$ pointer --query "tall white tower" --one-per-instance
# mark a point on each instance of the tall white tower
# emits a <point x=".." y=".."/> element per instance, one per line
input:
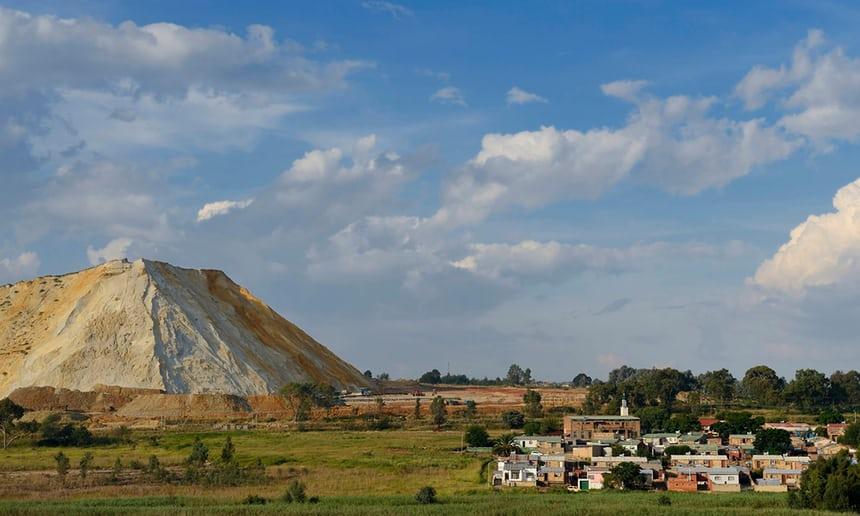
<point x="624" y="410"/>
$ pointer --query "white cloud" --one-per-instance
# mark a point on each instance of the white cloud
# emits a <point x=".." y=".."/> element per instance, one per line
<point x="519" y="96"/>
<point x="114" y="250"/>
<point x="820" y="85"/>
<point x="449" y="95"/>
<point x="217" y="208"/>
<point x="550" y="260"/>
<point x="395" y="10"/>
<point x="671" y="142"/>
<point x="23" y="266"/>
<point x="625" y="90"/>
<point x="822" y="251"/>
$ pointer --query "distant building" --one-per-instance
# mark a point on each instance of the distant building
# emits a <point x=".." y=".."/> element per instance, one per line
<point x="761" y="462"/>
<point x="704" y="461"/>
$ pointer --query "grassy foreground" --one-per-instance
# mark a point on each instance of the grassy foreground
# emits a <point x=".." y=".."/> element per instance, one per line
<point x="351" y="472"/>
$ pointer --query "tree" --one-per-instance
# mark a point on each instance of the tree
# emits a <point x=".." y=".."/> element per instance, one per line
<point x="762" y="385"/>
<point x="416" y="412"/>
<point x="471" y="409"/>
<point x="476" y="436"/>
<point x="504" y="444"/>
<point x="301" y="397"/>
<point x="683" y="423"/>
<point x="581" y="380"/>
<point x="737" y="423"/>
<point x="439" y="411"/>
<point x="809" y="389"/>
<point x="380" y="405"/>
<point x="199" y="453"/>
<point x="85" y="463"/>
<point x="652" y="418"/>
<point x="513" y="419"/>
<point x="62" y="466"/>
<point x="516" y="375"/>
<point x="718" y="385"/>
<point x="851" y="435"/>
<point x="532" y="428"/>
<point x="228" y="451"/>
<point x="830" y="415"/>
<point x="116" y="471"/>
<point x="846" y="388"/>
<point x="10" y="428"/>
<point x="432" y="377"/>
<point x="772" y="441"/>
<point x="426" y="495"/>
<point x="383" y="376"/>
<point x="368" y="374"/>
<point x="532" y="401"/>
<point x="829" y="484"/>
<point x="625" y="475"/>
<point x="676" y="449"/>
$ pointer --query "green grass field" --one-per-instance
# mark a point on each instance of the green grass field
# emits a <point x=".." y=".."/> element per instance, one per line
<point x="351" y="472"/>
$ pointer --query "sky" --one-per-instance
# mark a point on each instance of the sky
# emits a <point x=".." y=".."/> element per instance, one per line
<point x="458" y="185"/>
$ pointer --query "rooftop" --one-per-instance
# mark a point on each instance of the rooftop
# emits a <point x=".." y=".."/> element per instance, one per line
<point x="603" y="418"/>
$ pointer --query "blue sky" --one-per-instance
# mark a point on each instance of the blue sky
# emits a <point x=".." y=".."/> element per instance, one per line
<point x="566" y="186"/>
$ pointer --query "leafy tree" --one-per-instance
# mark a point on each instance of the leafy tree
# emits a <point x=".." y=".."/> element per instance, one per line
<point x="718" y="385"/>
<point x="830" y="415"/>
<point x="416" y="412"/>
<point x="851" y="436"/>
<point x="301" y="397"/>
<point x="829" y="484"/>
<point x="652" y="419"/>
<point x="809" y="389"/>
<point x="581" y="380"/>
<point x="85" y="463"/>
<point x="532" y="401"/>
<point x="383" y="376"/>
<point x="737" y="423"/>
<point x="625" y="475"/>
<point x="62" y="466"/>
<point x="228" y="451"/>
<point x="846" y="388"/>
<point x="426" y="495"/>
<point x="762" y="385"/>
<point x="477" y="436"/>
<point x="773" y="441"/>
<point x="10" y="428"/>
<point x="532" y="428"/>
<point x="439" y="411"/>
<point x="516" y="375"/>
<point x="549" y="425"/>
<point x="677" y="449"/>
<point x="368" y="374"/>
<point x="199" y="453"/>
<point x="433" y="377"/>
<point x="471" y="409"/>
<point x="513" y="419"/>
<point x="683" y="423"/>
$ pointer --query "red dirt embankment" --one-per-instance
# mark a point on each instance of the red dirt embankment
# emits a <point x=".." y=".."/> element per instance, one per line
<point x="103" y="398"/>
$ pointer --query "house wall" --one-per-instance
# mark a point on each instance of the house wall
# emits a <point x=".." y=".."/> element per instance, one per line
<point x="682" y="484"/>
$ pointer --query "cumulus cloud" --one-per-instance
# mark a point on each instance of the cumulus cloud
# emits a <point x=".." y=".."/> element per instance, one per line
<point x="114" y="250"/>
<point x="625" y="89"/>
<point x="822" y="251"/>
<point x="519" y="96"/>
<point x="218" y="208"/>
<point x="671" y="142"/>
<point x="23" y="266"/>
<point x="819" y="90"/>
<point x="449" y="95"/>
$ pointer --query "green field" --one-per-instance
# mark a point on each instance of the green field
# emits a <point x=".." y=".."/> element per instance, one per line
<point x="351" y="473"/>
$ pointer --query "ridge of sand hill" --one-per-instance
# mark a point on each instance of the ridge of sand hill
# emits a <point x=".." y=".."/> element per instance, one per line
<point x="147" y="324"/>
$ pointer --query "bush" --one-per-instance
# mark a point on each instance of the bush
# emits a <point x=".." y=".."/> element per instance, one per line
<point x="477" y="436"/>
<point x="664" y="499"/>
<point x="255" y="500"/>
<point x="426" y="495"/>
<point x="513" y="419"/>
<point x="532" y="428"/>
<point x="295" y="493"/>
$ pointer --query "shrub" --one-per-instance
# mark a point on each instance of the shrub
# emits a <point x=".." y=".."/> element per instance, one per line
<point x="295" y="493"/>
<point x="477" y="436"/>
<point x="664" y="499"/>
<point x="426" y="495"/>
<point x="62" y="466"/>
<point x="199" y="453"/>
<point x="513" y="419"/>
<point x="85" y="463"/>
<point x="531" y="428"/>
<point x="255" y="500"/>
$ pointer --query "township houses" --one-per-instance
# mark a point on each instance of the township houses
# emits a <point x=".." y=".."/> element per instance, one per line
<point x="762" y="462"/>
<point x="836" y="430"/>
<point x="705" y="461"/>
<point x="592" y="445"/>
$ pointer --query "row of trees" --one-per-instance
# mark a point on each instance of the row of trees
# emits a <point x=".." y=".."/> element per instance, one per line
<point x="516" y="376"/>
<point x="760" y="386"/>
